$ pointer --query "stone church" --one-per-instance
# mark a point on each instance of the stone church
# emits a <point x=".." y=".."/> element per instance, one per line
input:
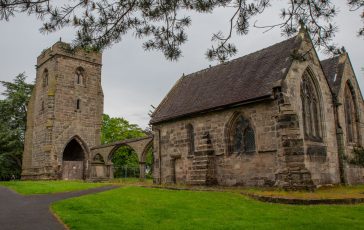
<point x="276" y="117"/>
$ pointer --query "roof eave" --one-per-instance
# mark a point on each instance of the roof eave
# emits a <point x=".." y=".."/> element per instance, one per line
<point x="218" y="108"/>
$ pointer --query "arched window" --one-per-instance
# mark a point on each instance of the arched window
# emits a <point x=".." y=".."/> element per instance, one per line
<point x="350" y="114"/>
<point x="243" y="138"/>
<point x="310" y="109"/>
<point x="80" y="76"/>
<point x="45" y="78"/>
<point x="190" y="139"/>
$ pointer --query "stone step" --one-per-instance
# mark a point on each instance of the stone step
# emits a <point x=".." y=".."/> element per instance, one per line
<point x="194" y="167"/>
<point x="202" y="159"/>
<point x="198" y="170"/>
<point x="196" y="182"/>
<point x="200" y="162"/>
<point x="198" y="177"/>
<point x="295" y="164"/>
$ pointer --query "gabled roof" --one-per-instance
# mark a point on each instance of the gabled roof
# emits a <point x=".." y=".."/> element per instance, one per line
<point x="244" y="79"/>
<point x="333" y="70"/>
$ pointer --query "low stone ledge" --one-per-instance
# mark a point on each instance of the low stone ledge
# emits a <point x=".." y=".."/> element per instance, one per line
<point x="270" y="199"/>
<point x="297" y="201"/>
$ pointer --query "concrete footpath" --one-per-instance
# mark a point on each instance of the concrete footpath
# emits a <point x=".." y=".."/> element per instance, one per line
<point x="32" y="212"/>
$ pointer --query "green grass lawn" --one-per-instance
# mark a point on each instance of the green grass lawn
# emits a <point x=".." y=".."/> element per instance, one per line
<point x="46" y="187"/>
<point x="145" y="208"/>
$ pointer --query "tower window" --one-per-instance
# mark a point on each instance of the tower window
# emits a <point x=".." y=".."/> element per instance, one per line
<point x="78" y="104"/>
<point x="45" y="78"/>
<point x="80" y="76"/>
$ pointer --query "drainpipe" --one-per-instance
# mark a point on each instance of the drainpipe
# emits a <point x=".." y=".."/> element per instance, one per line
<point x="340" y="141"/>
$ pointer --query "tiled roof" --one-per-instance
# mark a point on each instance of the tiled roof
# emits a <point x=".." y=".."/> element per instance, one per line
<point x="333" y="71"/>
<point x="241" y="80"/>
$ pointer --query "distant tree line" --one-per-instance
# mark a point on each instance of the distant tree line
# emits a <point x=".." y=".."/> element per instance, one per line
<point x="13" y="119"/>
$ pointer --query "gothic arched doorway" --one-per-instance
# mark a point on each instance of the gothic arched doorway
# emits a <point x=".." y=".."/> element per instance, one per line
<point x="73" y="161"/>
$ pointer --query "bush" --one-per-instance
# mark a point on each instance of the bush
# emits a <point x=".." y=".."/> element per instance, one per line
<point x="358" y="156"/>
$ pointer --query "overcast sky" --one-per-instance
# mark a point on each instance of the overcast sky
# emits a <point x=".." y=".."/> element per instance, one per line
<point x="133" y="79"/>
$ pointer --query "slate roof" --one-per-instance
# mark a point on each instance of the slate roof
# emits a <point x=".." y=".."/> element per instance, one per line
<point x="333" y="71"/>
<point x="242" y="80"/>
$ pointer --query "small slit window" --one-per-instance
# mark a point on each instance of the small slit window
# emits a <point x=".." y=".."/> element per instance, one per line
<point x="45" y="78"/>
<point x="78" y="104"/>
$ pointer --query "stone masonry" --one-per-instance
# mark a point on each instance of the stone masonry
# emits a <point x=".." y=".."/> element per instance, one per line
<point x="64" y="114"/>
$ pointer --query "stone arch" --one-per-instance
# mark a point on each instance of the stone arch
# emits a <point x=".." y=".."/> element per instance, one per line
<point x="74" y="158"/>
<point x="230" y="132"/>
<point x="143" y="160"/>
<point x="114" y="149"/>
<point x="139" y="145"/>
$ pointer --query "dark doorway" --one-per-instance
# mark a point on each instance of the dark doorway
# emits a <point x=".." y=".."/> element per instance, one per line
<point x="73" y="161"/>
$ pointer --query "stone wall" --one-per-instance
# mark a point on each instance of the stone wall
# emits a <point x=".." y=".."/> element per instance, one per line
<point x="258" y="168"/>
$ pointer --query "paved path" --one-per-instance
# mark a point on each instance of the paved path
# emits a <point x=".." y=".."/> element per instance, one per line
<point x="32" y="212"/>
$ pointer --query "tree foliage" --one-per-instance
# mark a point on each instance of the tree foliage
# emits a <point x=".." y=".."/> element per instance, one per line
<point x="12" y="125"/>
<point x="357" y="156"/>
<point x="125" y="158"/>
<point x="100" y="23"/>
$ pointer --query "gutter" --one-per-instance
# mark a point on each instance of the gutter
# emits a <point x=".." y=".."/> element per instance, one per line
<point x="268" y="97"/>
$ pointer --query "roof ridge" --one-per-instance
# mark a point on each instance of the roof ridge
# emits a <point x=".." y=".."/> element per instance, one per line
<point x="239" y="58"/>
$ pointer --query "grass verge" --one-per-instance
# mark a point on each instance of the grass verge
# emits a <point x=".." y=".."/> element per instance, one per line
<point x="47" y="187"/>
<point x="145" y="208"/>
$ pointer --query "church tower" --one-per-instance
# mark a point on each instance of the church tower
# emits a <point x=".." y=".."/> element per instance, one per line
<point x="64" y="114"/>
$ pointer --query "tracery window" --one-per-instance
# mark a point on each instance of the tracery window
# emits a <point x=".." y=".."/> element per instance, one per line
<point x="243" y="140"/>
<point x="350" y="114"/>
<point x="80" y="76"/>
<point x="190" y="139"/>
<point x="310" y="109"/>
